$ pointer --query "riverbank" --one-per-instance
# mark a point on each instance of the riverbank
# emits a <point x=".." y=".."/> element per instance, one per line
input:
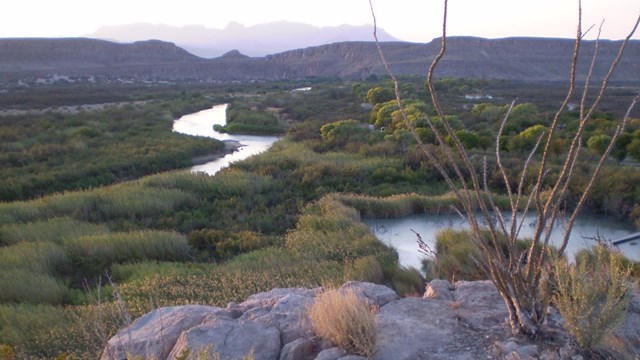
<point x="230" y="146"/>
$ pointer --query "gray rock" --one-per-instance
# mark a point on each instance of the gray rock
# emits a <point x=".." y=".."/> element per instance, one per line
<point x="439" y="289"/>
<point x="300" y="349"/>
<point x="480" y="305"/>
<point x="353" y="357"/>
<point x="286" y="312"/>
<point x="401" y="322"/>
<point x="230" y="339"/>
<point x="378" y="295"/>
<point x="269" y="299"/>
<point x="331" y="354"/>
<point x="462" y="321"/>
<point x="528" y="350"/>
<point x="627" y="334"/>
<point x="154" y="334"/>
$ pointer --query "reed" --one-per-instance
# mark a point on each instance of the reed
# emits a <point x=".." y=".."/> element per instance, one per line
<point x="55" y="230"/>
<point x="96" y="252"/>
<point x="20" y="286"/>
<point x="44" y="258"/>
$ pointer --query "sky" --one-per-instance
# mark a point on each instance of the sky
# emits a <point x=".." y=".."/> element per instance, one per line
<point x="409" y="20"/>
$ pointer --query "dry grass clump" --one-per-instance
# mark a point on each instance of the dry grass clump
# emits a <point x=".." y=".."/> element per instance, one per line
<point x="341" y="317"/>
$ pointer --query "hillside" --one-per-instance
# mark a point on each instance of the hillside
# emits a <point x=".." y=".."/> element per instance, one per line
<point x="519" y="59"/>
<point x="256" y="40"/>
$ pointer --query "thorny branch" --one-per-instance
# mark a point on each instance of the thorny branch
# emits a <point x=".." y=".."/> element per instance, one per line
<point x="517" y="275"/>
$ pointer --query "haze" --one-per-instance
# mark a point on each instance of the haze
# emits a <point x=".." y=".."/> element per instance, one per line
<point x="410" y="20"/>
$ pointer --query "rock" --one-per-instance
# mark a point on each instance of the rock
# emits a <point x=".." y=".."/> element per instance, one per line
<point x="400" y="323"/>
<point x="230" y="339"/>
<point x="331" y="354"/>
<point x="439" y="289"/>
<point x="285" y="311"/>
<point x="512" y="350"/>
<point x="480" y="306"/>
<point x="504" y="348"/>
<point x="269" y="299"/>
<point x="154" y="334"/>
<point x="528" y="350"/>
<point x="378" y="295"/>
<point x="463" y="321"/>
<point x="300" y="349"/>
<point x="353" y="357"/>
<point x="627" y="334"/>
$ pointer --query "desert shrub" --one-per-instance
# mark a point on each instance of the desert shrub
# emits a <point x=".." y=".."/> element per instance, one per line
<point x="40" y="331"/>
<point x="329" y="230"/>
<point x="40" y="257"/>
<point x="19" y="211"/>
<point x="230" y="182"/>
<point x="53" y="229"/>
<point x="240" y="242"/>
<point x="96" y="252"/>
<point x="342" y="318"/>
<point x="224" y="245"/>
<point x="407" y="281"/>
<point x="592" y="294"/>
<point x="456" y="254"/>
<point x="401" y="205"/>
<point x="172" y="284"/>
<point x="25" y="286"/>
<point x="367" y="268"/>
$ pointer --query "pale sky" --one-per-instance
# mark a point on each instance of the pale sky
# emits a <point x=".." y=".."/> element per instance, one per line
<point x="410" y="20"/>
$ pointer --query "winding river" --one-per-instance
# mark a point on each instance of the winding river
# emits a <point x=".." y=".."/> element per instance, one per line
<point x="395" y="232"/>
<point x="201" y="124"/>
<point x="398" y="233"/>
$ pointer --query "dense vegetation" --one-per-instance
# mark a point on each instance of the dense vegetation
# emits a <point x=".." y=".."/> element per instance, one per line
<point x="289" y="217"/>
<point x="44" y="152"/>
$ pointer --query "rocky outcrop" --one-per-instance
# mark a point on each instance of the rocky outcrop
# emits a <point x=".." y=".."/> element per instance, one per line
<point x="465" y="320"/>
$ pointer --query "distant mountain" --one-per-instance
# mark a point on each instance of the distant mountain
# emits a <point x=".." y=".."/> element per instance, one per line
<point x="257" y="40"/>
<point x="28" y="61"/>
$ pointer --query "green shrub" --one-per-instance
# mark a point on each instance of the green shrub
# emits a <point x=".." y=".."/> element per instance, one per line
<point x="592" y="294"/>
<point x="53" y="229"/>
<point x="407" y="281"/>
<point x="38" y="331"/>
<point x="40" y="257"/>
<point x="340" y="317"/>
<point x="25" y="286"/>
<point x="455" y="255"/>
<point x="224" y="245"/>
<point x="367" y="268"/>
<point x="99" y="251"/>
<point x="151" y="285"/>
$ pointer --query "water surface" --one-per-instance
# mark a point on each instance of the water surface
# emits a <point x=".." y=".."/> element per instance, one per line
<point x="201" y="124"/>
<point x="397" y="233"/>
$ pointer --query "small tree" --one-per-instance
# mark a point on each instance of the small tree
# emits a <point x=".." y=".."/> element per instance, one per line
<point x="519" y="274"/>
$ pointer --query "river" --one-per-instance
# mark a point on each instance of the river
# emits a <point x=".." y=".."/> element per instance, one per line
<point x="397" y="233"/>
<point x="201" y="124"/>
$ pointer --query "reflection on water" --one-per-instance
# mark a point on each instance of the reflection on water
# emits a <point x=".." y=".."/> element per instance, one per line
<point x="398" y="233"/>
<point x="201" y="124"/>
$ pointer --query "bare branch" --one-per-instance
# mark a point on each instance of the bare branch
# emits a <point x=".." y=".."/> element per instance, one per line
<point x="595" y="173"/>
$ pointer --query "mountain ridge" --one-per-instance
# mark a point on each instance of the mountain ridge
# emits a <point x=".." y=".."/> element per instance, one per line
<point x="520" y="59"/>
<point x="256" y="40"/>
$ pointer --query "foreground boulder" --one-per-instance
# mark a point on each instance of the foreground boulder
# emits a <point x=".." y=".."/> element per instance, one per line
<point x="465" y="320"/>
